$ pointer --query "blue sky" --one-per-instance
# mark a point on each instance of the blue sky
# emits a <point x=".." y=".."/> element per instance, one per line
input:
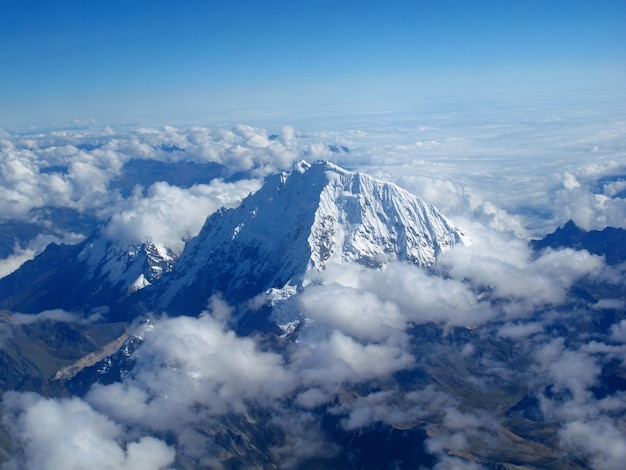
<point x="123" y="61"/>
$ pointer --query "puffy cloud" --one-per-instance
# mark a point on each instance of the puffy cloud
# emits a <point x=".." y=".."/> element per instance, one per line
<point x="341" y="359"/>
<point x="71" y="434"/>
<point x="590" y="207"/>
<point x="393" y="297"/>
<point x="185" y="362"/>
<point x="505" y="267"/>
<point x="14" y="261"/>
<point x="74" y="168"/>
<point x="33" y="247"/>
<point x="570" y="182"/>
<point x="355" y="312"/>
<point x="448" y="196"/>
<point x="599" y="440"/>
<point x="36" y="174"/>
<point x="575" y="370"/>
<point x="169" y="215"/>
<point x="618" y="332"/>
<point x="423" y="298"/>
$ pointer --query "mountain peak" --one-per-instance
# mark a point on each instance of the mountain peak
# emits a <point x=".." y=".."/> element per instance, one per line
<point x="298" y="222"/>
<point x="303" y="220"/>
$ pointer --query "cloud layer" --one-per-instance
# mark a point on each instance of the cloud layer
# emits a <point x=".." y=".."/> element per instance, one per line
<point x="492" y="335"/>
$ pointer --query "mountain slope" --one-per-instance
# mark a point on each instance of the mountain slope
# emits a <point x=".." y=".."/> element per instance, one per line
<point x="301" y="221"/>
<point x="96" y="272"/>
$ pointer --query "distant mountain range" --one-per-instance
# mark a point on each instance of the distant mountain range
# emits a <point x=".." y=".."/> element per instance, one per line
<point x="609" y="242"/>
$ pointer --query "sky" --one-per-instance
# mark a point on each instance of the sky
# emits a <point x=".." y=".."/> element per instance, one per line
<point x="131" y="62"/>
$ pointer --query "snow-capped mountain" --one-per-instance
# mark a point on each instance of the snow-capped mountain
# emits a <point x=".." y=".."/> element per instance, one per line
<point x="131" y="266"/>
<point x="97" y="272"/>
<point x="301" y="221"/>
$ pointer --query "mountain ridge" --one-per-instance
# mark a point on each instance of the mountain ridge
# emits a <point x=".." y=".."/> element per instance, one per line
<point x="94" y="273"/>
<point x="300" y="221"/>
<point x="609" y="242"/>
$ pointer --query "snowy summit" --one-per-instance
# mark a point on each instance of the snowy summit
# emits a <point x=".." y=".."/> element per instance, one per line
<point x="303" y="220"/>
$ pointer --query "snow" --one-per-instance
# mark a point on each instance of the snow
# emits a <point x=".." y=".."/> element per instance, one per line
<point x="302" y="220"/>
<point x="139" y="283"/>
<point x="135" y="266"/>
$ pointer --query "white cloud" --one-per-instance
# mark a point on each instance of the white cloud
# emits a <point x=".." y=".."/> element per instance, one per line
<point x="341" y="359"/>
<point x="505" y="267"/>
<point x="69" y="433"/>
<point x="572" y="369"/>
<point x="169" y="215"/>
<point x="355" y="312"/>
<point x="14" y="261"/>
<point x="600" y="440"/>
<point x="185" y="362"/>
<point x="88" y="161"/>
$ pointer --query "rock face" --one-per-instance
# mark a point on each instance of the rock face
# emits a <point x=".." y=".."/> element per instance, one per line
<point x="301" y="221"/>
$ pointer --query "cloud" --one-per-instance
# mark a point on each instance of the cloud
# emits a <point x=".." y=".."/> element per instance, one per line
<point x="355" y="312"/>
<point x="185" y="363"/>
<point x="618" y="332"/>
<point x="448" y="196"/>
<point x="78" y="179"/>
<point x="169" y="215"/>
<point x="303" y="440"/>
<point x="15" y="260"/>
<point x="423" y="298"/>
<point x="505" y="268"/>
<point x="241" y="148"/>
<point x="74" y="168"/>
<point x="600" y="440"/>
<point x="68" y="433"/>
<point x="616" y="304"/>
<point x="341" y="359"/>
<point x="520" y="330"/>
<point x="592" y="208"/>
<point x="393" y="297"/>
<point x="52" y="315"/>
<point x="572" y="369"/>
